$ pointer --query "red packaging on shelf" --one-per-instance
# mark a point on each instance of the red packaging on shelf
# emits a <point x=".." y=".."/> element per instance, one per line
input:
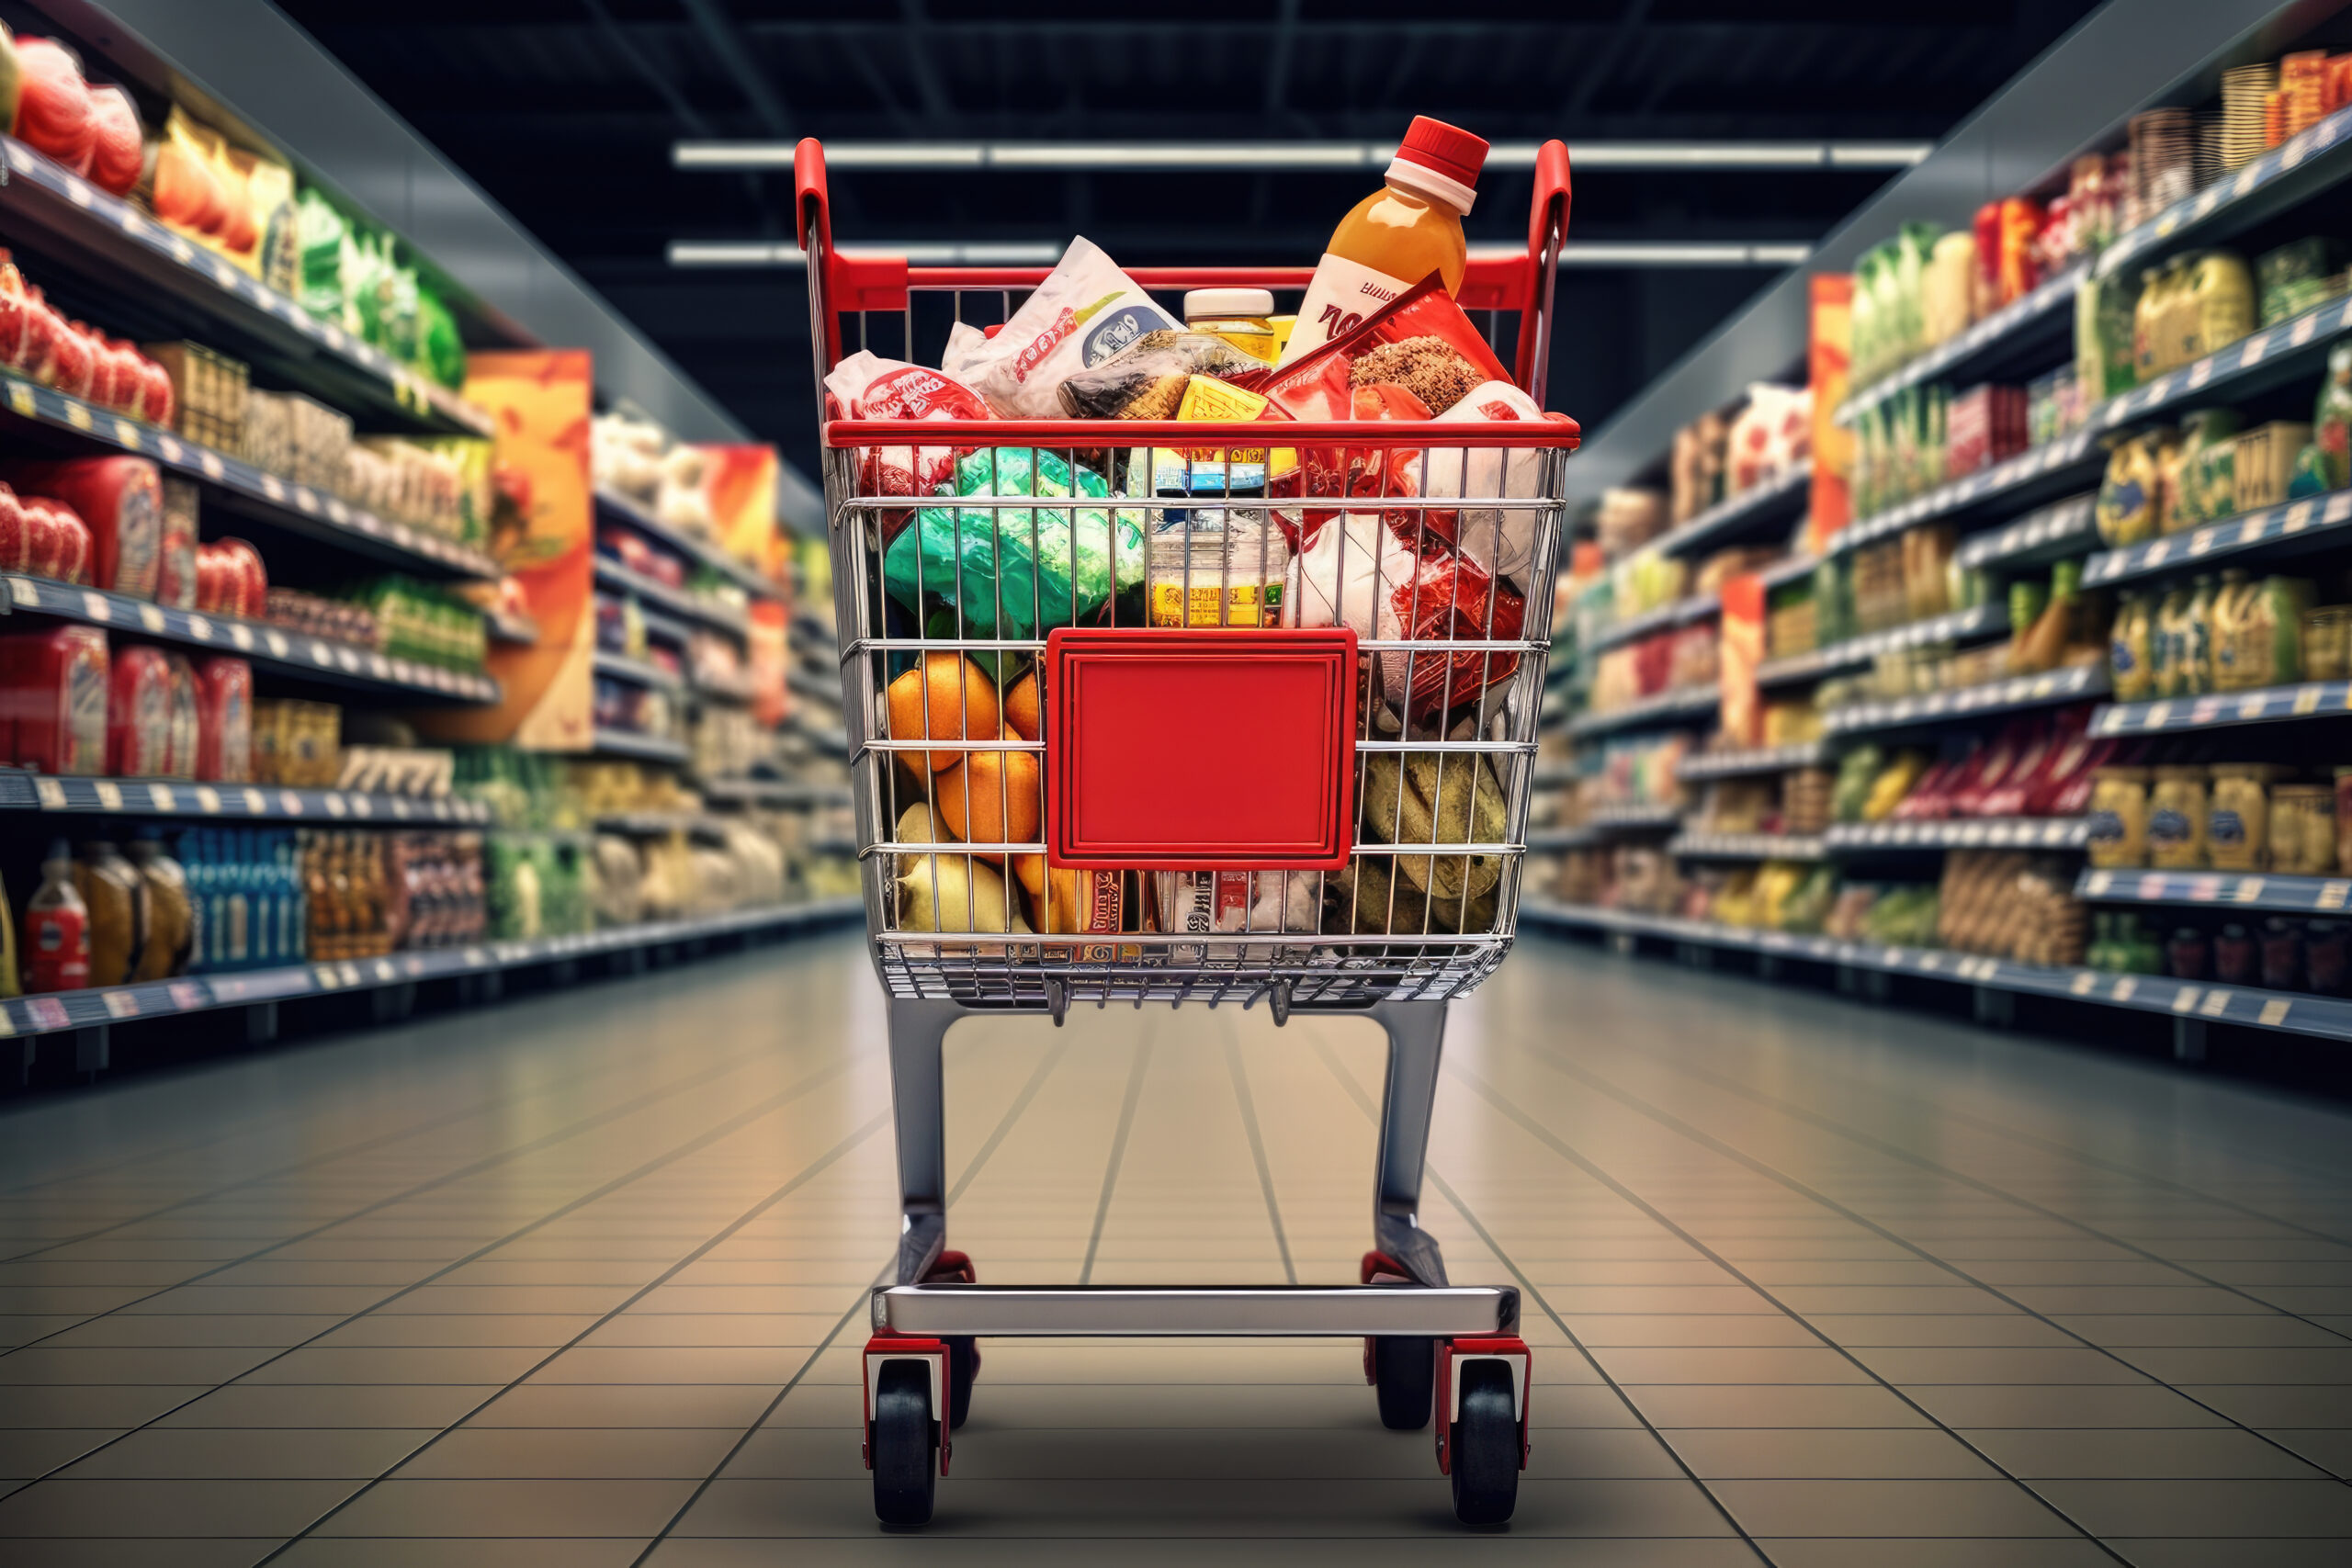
<point x="117" y="149"/>
<point x="139" y="713"/>
<point x="60" y="541"/>
<point x="224" y="747"/>
<point x="16" y="534"/>
<point x="175" y="555"/>
<point x="54" y="113"/>
<point x="184" y="736"/>
<point x="121" y="501"/>
<point x="53" y="699"/>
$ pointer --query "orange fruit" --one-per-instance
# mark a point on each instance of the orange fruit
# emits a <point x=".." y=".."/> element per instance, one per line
<point x="974" y="798"/>
<point x="1021" y="706"/>
<point x="1033" y="873"/>
<point x="947" y="699"/>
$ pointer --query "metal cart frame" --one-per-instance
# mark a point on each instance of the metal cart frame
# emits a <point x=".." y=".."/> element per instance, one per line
<point x="1430" y="1346"/>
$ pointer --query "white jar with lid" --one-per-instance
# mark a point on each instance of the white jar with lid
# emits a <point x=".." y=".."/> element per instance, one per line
<point x="1239" y="316"/>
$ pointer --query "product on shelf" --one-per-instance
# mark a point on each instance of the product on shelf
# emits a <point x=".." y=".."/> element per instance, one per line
<point x="42" y="537"/>
<point x="209" y="393"/>
<point x="53" y="695"/>
<point x="291" y="435"/>
<point x="56" y="951"/>
<point x="120" y="502"/>
<point x="297" y="744"/>
<point x="231" y="578"/>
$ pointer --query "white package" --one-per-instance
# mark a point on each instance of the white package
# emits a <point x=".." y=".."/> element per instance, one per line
<point x="1085" y="311"/>
<point x="1500" y="539"/>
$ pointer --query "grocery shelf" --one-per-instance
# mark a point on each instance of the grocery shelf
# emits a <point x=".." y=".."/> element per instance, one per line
<point x="1787" y="569"/>
<point x="817" y="688"/>
<point x="657" y="625"/>
<point x="1665" y="617"/>
<point x="676" y="602"/>
<point x="1777" y="500"/>
<point x="1635" y="817"/>
<point x="1745" y="846"/>
<point x="299" y="508"/>
<point x="773" y="791"/>
<point x="636" y="671"/>
<point x="1556" y="774"/>
<point x="2066" y="464"/>
<point x="1544" y="840"/>
<point x="293" y="655"/>
<point x="1993" y="697"/>
<point x="2313" y="522"/>
<point x="2050" y="533"/>
<point x="2267" y="704"/>
<point x="2219" y="889"/>
<point x="1662" y="711"/>
<point x="1960" y="833"/>
<point x="614" y="507"/>
<point x="2009" y="336"/>
<point x="2264" y="186"/>
<point x="2292" y="349"/>
<point x="520" y="630"/>
<point x="806" y="629"/>
<point x="97" y="1008"/>
<point x="2291" y="1012"/>
<point x="1752" y="759"/>
<point x="658" y="824"/>
<point x="739" y="690"/>
<point x="642" y="747"/>
<point x="111" y="244"/>
<point x="834" y="739"/>
<point x="23" y="791"/>
<point x="1974" y="623"/>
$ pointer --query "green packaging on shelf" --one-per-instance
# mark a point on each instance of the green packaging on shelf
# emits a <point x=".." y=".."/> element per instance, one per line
<point x="2296" y="277"/>
<point x="2332" y="418"/>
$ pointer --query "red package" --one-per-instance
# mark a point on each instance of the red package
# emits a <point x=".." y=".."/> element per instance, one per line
<point x="175" y="552"/>
<point x="156" y="404"/>
<point x="224" y="745"/>
<point x="183" y="735"/>
<point x="73" y="357"/>
<point x="16" y="534"/>
<point x="54" y="113"/>
<point x="1413" y="358"/>
<point x="60" y="541"/>
<point x="122" y="502"/>
<point x="1450" y="597"/>
<point x="53" y="699"/>
<point x="117" y="149"/>
<point x="2061" y="742"/>
<point x="15" y="306"/>
<point x="139" y="713"/>
<point x="41" y="327"/>
<point x="866" y="385"/>
<point x="230" y="580"/>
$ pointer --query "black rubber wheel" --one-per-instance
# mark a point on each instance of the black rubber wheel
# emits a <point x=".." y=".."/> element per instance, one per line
<point x="905" y="1437"/>
<point x="1484" y="1459"/>
<point x="963" y="1366"/>
<point x="1404" y="1371"/>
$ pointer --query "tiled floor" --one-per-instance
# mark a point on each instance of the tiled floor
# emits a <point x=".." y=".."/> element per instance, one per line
<point x="581" y="1282"/>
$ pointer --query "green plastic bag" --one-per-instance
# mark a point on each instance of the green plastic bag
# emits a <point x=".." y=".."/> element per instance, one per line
<point x="1012" y="571"/>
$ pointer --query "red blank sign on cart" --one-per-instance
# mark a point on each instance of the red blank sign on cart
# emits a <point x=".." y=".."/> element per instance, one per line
<point x="1200" y="748"/>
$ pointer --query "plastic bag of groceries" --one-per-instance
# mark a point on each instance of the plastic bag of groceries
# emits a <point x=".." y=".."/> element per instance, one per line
<point x="870" y="387"/>
<point x="1500" y="539"/>
<point x="1357" y="573"/>
<point x="1086" y="311"/>
<point x="1012" y="572"/>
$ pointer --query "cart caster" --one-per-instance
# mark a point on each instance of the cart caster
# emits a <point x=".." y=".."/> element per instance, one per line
<point x="905" y="1440"/>
<point x="963" y="1367"/>
<point x="1403" y="1372"/>
<point x="1486" y="1447"/>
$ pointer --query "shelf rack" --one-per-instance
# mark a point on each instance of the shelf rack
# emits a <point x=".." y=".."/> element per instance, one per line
<point x="1752" y="759"/>
<point x="198" y="801"/>
<point x="1747" y="846"/>
<point x="611" y="506"/>
<point x="2269" y="892"/>
<point x="1664" y="711"/>
<point x="674" y="602"/>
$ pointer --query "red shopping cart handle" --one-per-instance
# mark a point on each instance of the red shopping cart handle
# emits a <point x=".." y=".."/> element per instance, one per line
<point x="1554" y="430"/>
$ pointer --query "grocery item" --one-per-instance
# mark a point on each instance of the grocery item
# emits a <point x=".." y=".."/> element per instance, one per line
<point x="170" y="938"/>
<point x="1149" y="379"/>
<point x="139" y="713"/>
<point x="995" y="797"/>
<point x="954" y="893"/>
<point x="1211" y="567"/>
<point x="1406" y="231"/>
<point x="205" y="393"/>
<point x="56" y="952"/>
<point x="1242" y="317"/>
<point x="297" y="744"/>
<point x="231" y="578"/>
<point x="2118" y="818"/>
<point x="870" y="387"/>
<point x="2127" y="496"/>
<point x="2332" y="418"/>
<point x="1085" y="311"/>
<point x="121" y="501"/>
<point x="225" y="742"/>
<point x="116" y="897"/>
<point x="2302" y="829"/>
<point x="1502" y="539"/>
<point x="982" y="564"/>
<point x="54" y="113"/>
<point x="53" y="695"/>
<point x="1435" y="798"/>
<point x="2237" y="816"/>
<point x="2177" y="815"/>
<point x="949" y="698"/>
<point x="2131" y="649"/>
<point x="1420" y="341"/>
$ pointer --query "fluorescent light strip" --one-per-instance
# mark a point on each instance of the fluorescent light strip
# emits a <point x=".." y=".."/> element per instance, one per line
<point x="928" y="253"/>
<point x="1308" y="155"/>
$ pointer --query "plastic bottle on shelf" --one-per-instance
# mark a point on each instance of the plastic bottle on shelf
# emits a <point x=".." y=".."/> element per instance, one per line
<point x="57" y="928"/>
<point x="1399" y="234"/>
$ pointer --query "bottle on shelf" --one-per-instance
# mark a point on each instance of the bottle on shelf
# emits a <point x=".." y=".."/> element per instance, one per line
<point x="57" y="928"/>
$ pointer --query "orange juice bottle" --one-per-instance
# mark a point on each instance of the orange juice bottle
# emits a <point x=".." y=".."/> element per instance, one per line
<point x="1399" y="234"/>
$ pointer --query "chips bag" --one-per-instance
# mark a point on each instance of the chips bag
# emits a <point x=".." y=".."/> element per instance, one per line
<point x="868" y="386"/>
<point x="1085" y="312"/>
<point x="1012" y="572"/>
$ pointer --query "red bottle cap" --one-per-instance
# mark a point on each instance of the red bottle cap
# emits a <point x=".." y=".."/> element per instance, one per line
<point x="1448" y="149"/>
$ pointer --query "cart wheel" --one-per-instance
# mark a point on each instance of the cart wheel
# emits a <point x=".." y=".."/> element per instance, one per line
<point x="905" y="1440"/>
<point x="963" y="1367"/>
<point x="1404" y="1370"/>
<point x="1484" y="1461"/>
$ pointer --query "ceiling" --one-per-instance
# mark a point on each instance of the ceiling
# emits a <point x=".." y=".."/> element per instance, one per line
<point x="564" y="111"/>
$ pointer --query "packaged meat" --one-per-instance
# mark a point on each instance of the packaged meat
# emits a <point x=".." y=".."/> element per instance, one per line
<point x="175" y="546"/>
<point x="1150" y="379"/>
<point x="53" y="699"/>
<point x="185" y="723"/>
<point x="15" y="532"/>
<point x="61" y="540"/>
<point x="1086" y="311"/>
<point x="139" y="713"/>
<point x="121" y="501"/>
<point x="229" y="579"/>
<point x="73" y="357"/>
<point x="117" y="147"/>
<point x="224" y="747"/>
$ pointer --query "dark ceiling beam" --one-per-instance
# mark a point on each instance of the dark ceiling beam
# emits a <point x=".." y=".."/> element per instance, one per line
<point x="679" y="105"/>
<point x="1278" y="58"/>
<point x="719" y="33"/>
<point x="936" y="102"/>
<point x="1605" y="64"/>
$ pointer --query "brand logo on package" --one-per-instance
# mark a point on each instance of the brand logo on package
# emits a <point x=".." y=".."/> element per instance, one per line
<point x="1117" y="331"/>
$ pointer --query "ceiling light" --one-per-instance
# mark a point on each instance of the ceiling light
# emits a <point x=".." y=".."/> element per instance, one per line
<point x="1302" y="156"/>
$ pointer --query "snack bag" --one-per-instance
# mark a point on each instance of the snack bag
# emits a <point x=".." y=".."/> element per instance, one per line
<point x="1148" y="380"/>
<point x="1087" y="311"/>
<point x="1012" y="572"/>
<point x="1500" y="539"/>
<point x="870" y="387"/>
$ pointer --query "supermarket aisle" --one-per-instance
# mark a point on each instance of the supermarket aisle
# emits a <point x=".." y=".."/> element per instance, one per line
<point x="579" y="1283"/>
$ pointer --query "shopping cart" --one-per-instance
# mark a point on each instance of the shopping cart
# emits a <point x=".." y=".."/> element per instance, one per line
<point x="1080" y="775"/>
